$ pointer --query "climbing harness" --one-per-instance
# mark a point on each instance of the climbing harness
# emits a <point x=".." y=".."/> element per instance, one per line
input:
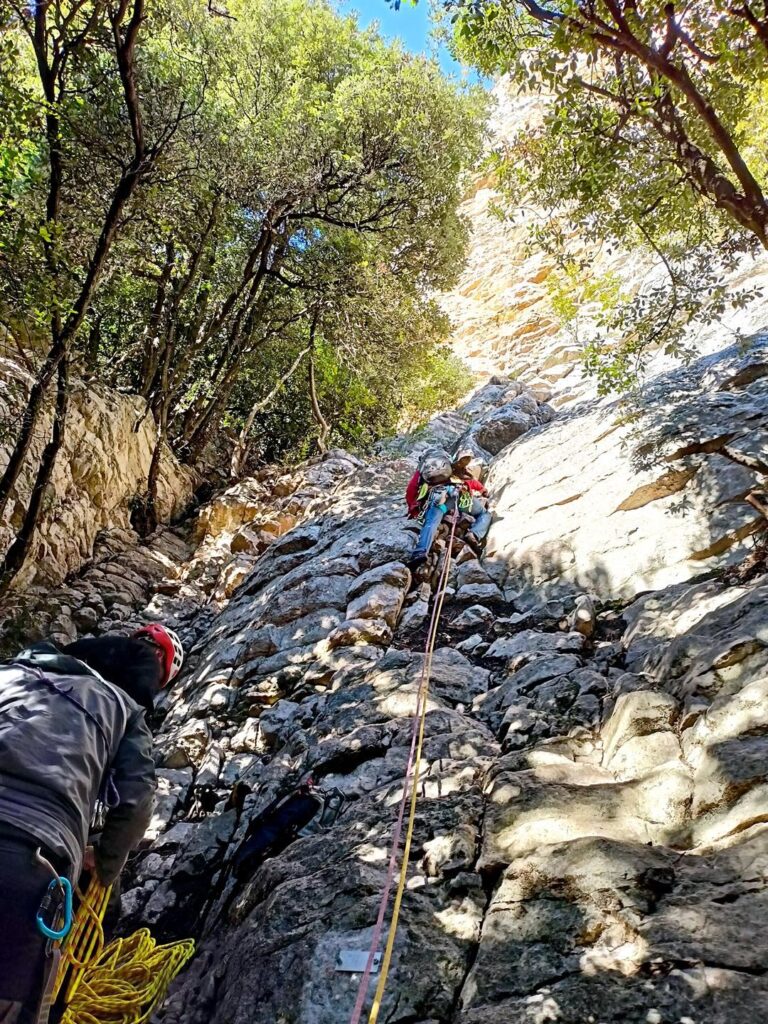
<point x="54" y="921"/>
<point x="441" y="496"/>
<point x="411" y="772"/>
<point x="122" y="983"/>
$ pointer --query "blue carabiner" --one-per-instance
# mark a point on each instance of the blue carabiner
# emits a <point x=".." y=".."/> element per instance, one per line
<point x="65" y="885"/>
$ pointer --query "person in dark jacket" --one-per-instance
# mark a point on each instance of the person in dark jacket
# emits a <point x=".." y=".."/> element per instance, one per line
<point x="70" y="735"/>
<point x="140" y="665"/>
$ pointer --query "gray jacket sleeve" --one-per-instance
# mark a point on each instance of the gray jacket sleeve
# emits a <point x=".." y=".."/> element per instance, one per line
<point x="133" y="773"/>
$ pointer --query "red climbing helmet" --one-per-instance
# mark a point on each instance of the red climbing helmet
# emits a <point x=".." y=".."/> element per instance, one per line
<point x="168" y="644"/>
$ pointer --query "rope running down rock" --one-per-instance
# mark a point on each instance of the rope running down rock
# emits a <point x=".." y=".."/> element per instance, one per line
<point x="414" y="759"/>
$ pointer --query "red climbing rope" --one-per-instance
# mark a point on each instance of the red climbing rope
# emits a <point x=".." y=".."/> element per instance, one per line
<point x="414" y="756"/>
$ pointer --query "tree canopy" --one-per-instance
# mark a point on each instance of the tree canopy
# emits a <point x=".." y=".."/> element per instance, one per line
<point x="230" y="212"/>
<point x="653" y="138"/>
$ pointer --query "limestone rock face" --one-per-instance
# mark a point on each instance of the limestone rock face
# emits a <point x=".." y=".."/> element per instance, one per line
<point x="102" y="466"/>
<point x="504" y="320"/>
<point x="590" y="836"/>
<point x="590" y="840"/>
<point x="619" y="507"/>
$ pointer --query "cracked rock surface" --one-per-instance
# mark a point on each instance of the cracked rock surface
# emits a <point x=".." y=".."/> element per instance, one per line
<point x="591" y="839"/>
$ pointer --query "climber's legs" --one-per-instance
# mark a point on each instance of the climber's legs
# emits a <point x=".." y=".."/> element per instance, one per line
<point x="432" y="519"/>
<point x="481" y="525"/>
<point x="24" y="966"/>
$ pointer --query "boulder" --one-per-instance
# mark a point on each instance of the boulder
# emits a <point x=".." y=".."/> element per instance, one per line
<point x="487" y="593"/>
<point x="531" y="642"/>
<point x="473" y="644"/>
<point x="393" y="574"/>
<point x="381" y="601"/>
<point x="503" y="427"/>
<point x="477" y="616"/>
<point x="414" y="616"/>
<point x="360" y="631"/>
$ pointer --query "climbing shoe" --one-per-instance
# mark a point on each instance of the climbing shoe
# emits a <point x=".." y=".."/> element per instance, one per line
<point x="416" y="561"/>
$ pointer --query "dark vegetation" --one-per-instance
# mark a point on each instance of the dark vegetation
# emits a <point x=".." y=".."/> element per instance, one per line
<point x="239" y="215"/>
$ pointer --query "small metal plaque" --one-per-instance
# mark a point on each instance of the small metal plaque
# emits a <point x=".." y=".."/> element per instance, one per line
<point x="353" y="961"/>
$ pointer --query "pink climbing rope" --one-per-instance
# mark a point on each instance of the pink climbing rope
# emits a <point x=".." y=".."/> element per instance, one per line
<point x="421" y="698"/>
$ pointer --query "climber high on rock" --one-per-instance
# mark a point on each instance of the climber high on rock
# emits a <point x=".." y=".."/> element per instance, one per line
<point x="73" y="738"/>
<point x="441" y="485"/>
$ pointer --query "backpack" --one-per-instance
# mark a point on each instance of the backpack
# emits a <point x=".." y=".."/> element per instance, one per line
<point x="435" y="466"/>
<point x="271" y="831"/>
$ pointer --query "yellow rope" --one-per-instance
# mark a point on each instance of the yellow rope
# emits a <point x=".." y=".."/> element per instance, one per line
<point x="122" y="983"/>
<point x="128" y="981"/>
<point x="430" y="650"/>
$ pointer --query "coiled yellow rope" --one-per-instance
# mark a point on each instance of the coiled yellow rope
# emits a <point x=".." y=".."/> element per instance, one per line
<point x="122" y="983"/>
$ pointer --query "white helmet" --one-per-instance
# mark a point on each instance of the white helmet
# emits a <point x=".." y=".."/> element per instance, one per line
<point x="435" y="466"/>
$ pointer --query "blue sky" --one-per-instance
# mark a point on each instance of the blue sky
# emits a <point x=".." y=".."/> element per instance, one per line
<point x="410" y="24"/>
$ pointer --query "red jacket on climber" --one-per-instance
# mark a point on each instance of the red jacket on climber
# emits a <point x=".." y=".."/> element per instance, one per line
<point x="439" y="484"/>
<point x="414" y="486"/>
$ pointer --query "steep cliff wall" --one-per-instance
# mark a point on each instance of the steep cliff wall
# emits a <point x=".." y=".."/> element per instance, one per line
<point x="502" y="309"/>
<point x="590" y="842"/>
<point x="102" y="466"/>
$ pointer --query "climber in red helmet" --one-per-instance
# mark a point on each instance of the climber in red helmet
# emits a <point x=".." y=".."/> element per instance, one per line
<point x="142" y="664"/>
<point x="73" y="737"/>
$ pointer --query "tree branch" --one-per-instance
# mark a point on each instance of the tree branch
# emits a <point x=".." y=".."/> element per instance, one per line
<point x="241" y="448"/>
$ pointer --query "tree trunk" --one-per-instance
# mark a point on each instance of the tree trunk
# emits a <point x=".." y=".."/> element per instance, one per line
<point x="254" y="270"/>
<point x="161" y="408"/>
<point x="94" y="343"/>
<point x="18" y="551"/>
<point x="323" y="427"/>
<point x="747" y="206"/>
<point x="194" y="435"/>
<point x="706" y="176"/>
<point x="240" y="453"/>
<point x="29" y="422"/>
<point x="151" y="354"/>
<point x="151" y="518"/>
<point x="63" y="335"/>
<point x="721" y="137"/>
<point x="62" y="339"/>
<point x="199" y="433"/>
